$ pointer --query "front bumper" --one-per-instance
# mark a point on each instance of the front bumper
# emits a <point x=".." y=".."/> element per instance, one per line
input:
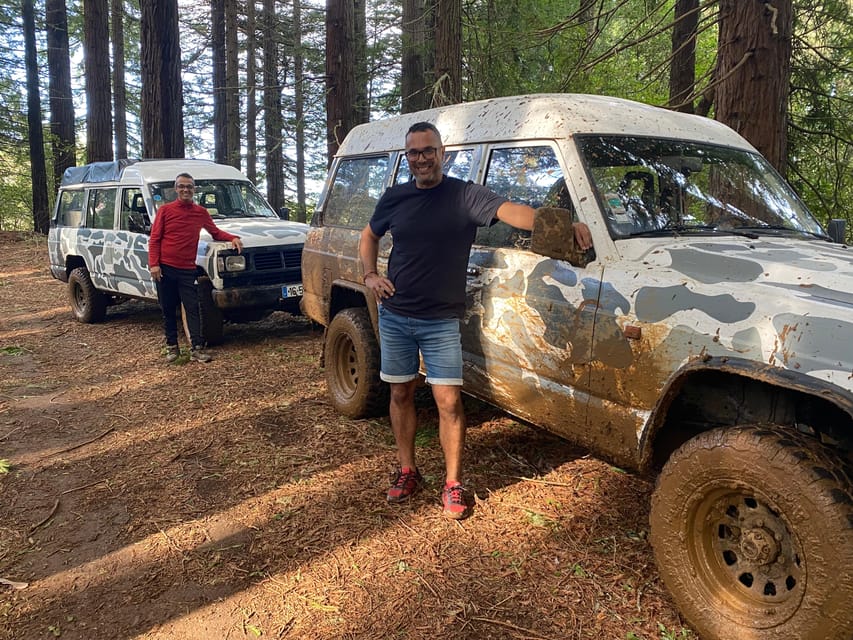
<point x="257" y="297"/>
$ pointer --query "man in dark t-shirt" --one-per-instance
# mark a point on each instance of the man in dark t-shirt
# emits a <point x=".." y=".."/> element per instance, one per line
<point x="433" y="221"/>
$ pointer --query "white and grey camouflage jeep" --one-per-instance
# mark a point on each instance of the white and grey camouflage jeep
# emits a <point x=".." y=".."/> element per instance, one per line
<point x="98" y="241"/>
<point x="707" y="342"/>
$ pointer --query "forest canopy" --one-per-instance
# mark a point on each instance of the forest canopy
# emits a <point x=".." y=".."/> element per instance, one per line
<point x="272" y="86"/>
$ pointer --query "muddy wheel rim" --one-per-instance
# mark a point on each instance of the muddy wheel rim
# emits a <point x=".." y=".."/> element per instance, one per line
<point x="346" y="365"/>
<point x="748" y="557"/>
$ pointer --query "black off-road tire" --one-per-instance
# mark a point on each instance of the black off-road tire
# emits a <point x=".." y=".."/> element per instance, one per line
<point x="752" y="529"/>
<point x="351" y="354"/>
<point x="88" y="304"/>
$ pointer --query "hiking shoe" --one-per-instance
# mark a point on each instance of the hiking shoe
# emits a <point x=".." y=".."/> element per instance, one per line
<point x="404" y="484"/>
<point x="172" y="352"/>
<point x="455" y="502"/>
<point x="198" y="355"/>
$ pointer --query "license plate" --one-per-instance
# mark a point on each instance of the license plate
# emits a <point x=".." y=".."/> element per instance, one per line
<point x="291" y="291"/>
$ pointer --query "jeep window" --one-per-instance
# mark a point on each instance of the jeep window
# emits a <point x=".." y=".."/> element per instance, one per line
<point x="69" y="211"/>
<point x="134" y="215"/>
<point x="221" y="198"/>
<point x="101" y="208"/>
<point x="458" y="163"/>
<point x="648" y="186"/>
<point x="531" y="175"/>
<point x="357" y="187"/>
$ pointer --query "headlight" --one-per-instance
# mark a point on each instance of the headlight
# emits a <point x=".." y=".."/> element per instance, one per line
<point x="231" y="263"/>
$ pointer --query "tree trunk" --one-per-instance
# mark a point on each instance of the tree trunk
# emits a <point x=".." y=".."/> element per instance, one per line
<point x="274" y="157"/>
<point x="414" y="45"/>
<point x="38" y="172"/>
<point x="299" y="111"/>
<point x="340" y="72"/>
<point x="162" y="93"/>
<point x="119" y="90"/>
<point x="220" y="110"/>
<point x="96" y="55"/>
<point x="754" y="68"/>
<point x="361" y="106"/>
<point x="251" y="94"/>
<point x="447" y="88"/>
<point x="232" y="84"/>
<point x="59" y="89"/>
<point x="682" y="73"/>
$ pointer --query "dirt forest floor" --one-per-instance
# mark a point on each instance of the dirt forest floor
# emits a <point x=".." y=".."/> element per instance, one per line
<point x="228" y="500"/>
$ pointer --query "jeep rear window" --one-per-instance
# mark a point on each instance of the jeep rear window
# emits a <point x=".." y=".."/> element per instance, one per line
<point x="648" y="185"/>
<point x="69" y="210"/>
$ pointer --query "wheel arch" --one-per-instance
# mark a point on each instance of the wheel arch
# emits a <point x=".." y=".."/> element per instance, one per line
<point x="345" y="294"/>
<point x="74" y="262"/>
<point x="744" y="393"/>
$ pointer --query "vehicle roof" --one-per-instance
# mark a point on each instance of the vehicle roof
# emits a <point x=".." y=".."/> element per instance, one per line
<point x="540" y="116"/>
<point x="139" y="171"/>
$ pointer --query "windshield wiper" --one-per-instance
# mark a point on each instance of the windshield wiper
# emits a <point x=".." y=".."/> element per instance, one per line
<point x="780" y="227"/>
<point x="700" y="228"/>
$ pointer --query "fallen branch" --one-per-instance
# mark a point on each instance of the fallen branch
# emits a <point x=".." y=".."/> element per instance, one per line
<point x="509" y="625"/>
<point x="82" y="444"/>
<point x="48" y="517"/>
<point x="10" y="433"/>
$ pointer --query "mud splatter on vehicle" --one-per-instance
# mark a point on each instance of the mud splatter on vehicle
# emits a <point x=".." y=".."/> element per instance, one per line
<point x="707" y="340"/>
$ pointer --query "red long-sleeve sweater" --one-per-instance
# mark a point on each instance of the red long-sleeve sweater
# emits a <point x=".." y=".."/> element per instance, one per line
<point x="174" y="235"/>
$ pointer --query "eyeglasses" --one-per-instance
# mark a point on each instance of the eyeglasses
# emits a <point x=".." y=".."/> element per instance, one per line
<point x="413" y="154"/>
<point x="185" y="186"/>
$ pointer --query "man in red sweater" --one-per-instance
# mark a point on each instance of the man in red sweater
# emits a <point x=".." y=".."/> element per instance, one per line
<point x="172" y="249"/>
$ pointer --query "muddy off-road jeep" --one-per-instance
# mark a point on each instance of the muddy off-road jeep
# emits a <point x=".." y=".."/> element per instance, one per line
<point x="707" y="342"/>
<point x="98" y="241"/>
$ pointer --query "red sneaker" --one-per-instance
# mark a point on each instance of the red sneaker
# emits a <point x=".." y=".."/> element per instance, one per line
<point x="455" y="502"/>
<point x="404" y="484"/>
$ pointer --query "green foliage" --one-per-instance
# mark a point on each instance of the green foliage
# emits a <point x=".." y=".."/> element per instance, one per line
<point x="609" y="47"/>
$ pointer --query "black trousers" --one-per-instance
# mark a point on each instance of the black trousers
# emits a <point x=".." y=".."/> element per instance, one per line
<point x="179" y="286"/>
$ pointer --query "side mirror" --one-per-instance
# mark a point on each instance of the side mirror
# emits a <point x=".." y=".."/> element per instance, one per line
<point x="837" y="230"/>
<point x="553" y="236"/>
<point x="284" y="213"/>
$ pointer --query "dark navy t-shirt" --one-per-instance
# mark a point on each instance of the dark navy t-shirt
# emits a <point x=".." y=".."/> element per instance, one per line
<point x="433" y="230"/>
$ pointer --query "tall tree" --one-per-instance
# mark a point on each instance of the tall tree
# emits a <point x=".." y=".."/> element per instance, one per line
<point x="119" y="88"/>
<point x="251" y="93"/>
<point x="299" y="110"/>
<point x="682" y="74"/>
<point x="273" y="126"/>
<point x="754" y="69"/>
<point x="413" y="83"/>
<point x="162" y="92"/>
<point x="447" y="88"/>
<point x="361" y="105"/>
<point x="59" y="89"/>
<point x="340" y="72"/>
<point x="232" y="85"/>
<point x="38" y="172"/>
<point x="96" y="55"/>
<point x="220" y="105"/>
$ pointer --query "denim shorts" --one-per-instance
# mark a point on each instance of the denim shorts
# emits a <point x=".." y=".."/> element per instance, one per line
<point x="403" y="339"/>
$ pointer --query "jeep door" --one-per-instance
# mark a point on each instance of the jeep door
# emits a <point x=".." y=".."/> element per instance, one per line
<point x="97" y="237"/>
<point x="131" y="246"/>
<point x="528" y="329"/>
<point x="331" y="254"/>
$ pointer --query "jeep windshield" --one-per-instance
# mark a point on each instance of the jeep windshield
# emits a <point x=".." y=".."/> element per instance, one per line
<point x="657" y="187"/>
<point x="222" y="198"/>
